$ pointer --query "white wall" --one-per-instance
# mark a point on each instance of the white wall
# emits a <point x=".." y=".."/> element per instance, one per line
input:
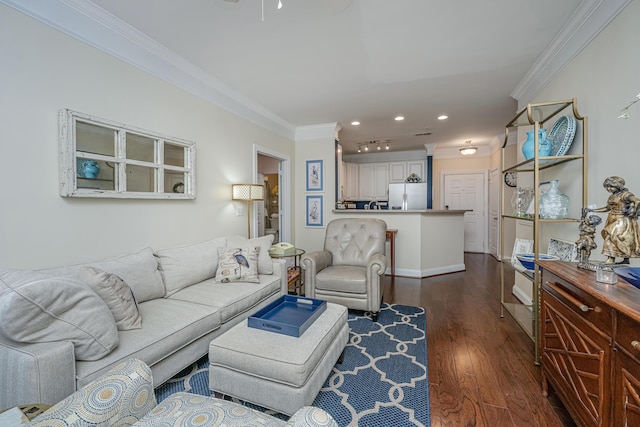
<point x="604" y="77"/>
<point x="43" y="71"/>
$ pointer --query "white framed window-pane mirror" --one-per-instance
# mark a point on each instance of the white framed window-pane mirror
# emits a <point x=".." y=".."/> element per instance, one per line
<point x="101" y="158"/>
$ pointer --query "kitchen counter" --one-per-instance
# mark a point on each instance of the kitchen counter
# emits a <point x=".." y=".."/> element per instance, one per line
<point x="428" y="242"/>
<point x="400" y="211"/>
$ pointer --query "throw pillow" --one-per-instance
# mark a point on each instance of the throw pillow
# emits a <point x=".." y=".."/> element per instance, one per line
<point x="265" y="263"/>
<point x="238" y="265"/>
<point x="116" y="294"/>
<point x="185" y="265"/>
<point x="38" y="308"/>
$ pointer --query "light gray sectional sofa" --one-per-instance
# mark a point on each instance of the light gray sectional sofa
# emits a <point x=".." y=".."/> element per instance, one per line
<point x="62" y="328"/>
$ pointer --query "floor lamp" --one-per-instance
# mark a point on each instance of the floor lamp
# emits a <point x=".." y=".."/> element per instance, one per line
<point x="248" y="193"/>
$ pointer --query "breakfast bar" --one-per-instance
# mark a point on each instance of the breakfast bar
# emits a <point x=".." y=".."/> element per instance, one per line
<point x="427" y="242"/>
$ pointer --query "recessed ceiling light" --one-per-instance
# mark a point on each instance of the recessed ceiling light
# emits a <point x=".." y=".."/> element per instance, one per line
<point x="355" y="123"/>
<point x="399" y="118"/>
<point x="443" y="117"/>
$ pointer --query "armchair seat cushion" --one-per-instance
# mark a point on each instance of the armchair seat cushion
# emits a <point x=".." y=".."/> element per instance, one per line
<point x="343" y="278"/>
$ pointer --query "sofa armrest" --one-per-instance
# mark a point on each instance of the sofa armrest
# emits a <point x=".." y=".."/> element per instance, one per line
<point x="121" y="397"/>
<point x="313" y="263"/>
<point x="280" y="270"/>
<point x="36" y="373"/>
<point x="311" y="416"/>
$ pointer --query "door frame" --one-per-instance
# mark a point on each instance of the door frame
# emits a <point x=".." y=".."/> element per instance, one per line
<point x="485" y="199"/>
<point x="284" y="185"/>
<point x="498" y="199"/>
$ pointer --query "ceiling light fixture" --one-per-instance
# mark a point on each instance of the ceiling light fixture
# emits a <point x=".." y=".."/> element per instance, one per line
<point x="355" y="123"/>
<point x="468" y="149"/>
<point x="279" y="4"/>
<point x="399" y="118"/>
<point x="364" y="146"/>
<point x="443" y="117"/>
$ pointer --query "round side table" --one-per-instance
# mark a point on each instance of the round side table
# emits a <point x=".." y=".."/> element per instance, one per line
<point x="295" y="278"/>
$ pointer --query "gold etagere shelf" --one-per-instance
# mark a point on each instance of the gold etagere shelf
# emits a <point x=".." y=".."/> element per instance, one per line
<point x="535" y="116"/>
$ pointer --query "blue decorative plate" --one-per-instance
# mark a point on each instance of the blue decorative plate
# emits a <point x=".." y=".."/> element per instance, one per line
<point x="561" y="135"/>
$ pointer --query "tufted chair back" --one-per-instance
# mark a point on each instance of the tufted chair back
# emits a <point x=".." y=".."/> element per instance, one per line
<point x="353" y="241"/>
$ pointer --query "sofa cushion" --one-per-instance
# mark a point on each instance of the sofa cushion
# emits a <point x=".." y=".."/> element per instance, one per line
<point x="231" y="299"/>
<point x="185" y="265"/>
<point x="35" y="308"/>
<point x="116" y="294"/>
<point x="238" y="265"/>
<point x="175" y="325"/>
<point x="265" y="264"/>
<point x="343" y="278"/>
<point x="139" y="270"/>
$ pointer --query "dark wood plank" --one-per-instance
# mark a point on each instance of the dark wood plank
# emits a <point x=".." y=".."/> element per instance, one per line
<point x="480" y="366"/>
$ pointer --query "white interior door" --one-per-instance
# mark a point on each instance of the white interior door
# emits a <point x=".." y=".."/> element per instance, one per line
<point x="494" y="213"/>
<point x="467" y="191"/>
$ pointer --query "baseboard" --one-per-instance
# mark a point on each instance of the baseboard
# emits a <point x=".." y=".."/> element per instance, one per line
<point x="418" y="274"/>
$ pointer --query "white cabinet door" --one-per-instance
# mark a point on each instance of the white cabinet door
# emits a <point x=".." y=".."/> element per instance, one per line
<point x="381" y="181"/>
<point x="366" y="187"/>
<point x="397" y="171"/>
<point x="416" y="167"/>
<point x="351" y="184"/>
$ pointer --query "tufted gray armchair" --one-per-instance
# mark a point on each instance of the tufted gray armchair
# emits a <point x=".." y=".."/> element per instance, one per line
<point x="348" y="270"/>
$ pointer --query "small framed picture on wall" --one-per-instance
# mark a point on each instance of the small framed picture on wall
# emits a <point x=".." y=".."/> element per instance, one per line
<point x="314" y="211"/>
<point x="315" y="176"/>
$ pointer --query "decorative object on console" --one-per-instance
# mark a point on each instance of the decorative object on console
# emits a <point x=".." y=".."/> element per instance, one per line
<point x="544" y="145"/>
<point x="468" y="150"/>
<point x="620" y="232"/>
<point x="248" y="193"/>
<point x="606" y="274"/>
<point x="520" y="246"/>
<point x="561" y="135"/>
<point x="586" y="242"/>
<point x="553" y="203"/>
<point x="565" y="251"/>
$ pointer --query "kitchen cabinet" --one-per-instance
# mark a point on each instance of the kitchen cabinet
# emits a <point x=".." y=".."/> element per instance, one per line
<point x="533" y="117"/>
<point x="351" y="181"/>
<point x="373" y="181"/>
<point x="590" y="345"/>
<point x="399" y="171"/>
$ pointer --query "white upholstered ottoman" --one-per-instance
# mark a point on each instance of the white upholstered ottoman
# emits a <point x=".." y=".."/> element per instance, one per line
<point x="278" y="371"/>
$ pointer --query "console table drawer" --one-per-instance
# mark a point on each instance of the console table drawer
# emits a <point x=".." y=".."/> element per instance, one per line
<point x="628" y="335"/>
<point x="586" y="306"/>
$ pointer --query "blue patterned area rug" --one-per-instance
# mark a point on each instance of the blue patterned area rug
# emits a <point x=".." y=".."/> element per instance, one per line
<point x="381" y="382"/>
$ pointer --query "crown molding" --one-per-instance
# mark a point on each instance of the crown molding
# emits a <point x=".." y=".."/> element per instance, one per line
<point x="321" y="131"/>
<point x="586" y="23"/>
<point x="85" y="21"/>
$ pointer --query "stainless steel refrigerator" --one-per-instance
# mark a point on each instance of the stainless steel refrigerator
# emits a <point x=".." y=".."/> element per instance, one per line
<point x="408" y="196"/>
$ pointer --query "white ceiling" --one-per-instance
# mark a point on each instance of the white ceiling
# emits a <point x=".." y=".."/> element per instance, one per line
<point x="323" y="61"/>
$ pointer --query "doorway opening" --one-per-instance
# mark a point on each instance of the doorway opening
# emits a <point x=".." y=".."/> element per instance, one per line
<point x="273" y="214"/>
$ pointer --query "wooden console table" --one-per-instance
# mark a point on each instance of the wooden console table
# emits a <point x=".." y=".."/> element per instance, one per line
<point x="590" y="345"/>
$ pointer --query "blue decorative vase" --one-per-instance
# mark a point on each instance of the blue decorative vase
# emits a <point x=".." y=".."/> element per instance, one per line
<point x="544" y="144"/>
<point x="90" y="169"/>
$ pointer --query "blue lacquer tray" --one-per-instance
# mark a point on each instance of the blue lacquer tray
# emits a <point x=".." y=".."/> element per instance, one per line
<point x="290" y="315"/>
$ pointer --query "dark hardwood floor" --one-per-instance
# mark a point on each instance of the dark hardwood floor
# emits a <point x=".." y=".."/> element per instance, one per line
<point x="481" y="370"/>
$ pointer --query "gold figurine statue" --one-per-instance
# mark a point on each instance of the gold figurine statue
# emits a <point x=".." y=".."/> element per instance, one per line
<point x="587" y="242"/>
<point x="620" y="233"/>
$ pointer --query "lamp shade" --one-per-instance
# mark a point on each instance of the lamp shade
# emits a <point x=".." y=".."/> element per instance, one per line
<point x="247" y="192"/>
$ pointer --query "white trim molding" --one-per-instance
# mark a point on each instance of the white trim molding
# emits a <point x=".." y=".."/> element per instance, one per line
<point x="586" y="23"/>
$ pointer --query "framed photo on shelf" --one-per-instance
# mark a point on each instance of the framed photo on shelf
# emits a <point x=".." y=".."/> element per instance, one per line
<point x="314" y="207"/>
<point x="566" y="251"/>
<point x="315" y="175"/>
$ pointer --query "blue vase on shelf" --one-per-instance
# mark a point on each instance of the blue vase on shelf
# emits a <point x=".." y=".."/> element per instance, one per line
<point x="544" y="144"/>
<point x="90" y="169"/>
